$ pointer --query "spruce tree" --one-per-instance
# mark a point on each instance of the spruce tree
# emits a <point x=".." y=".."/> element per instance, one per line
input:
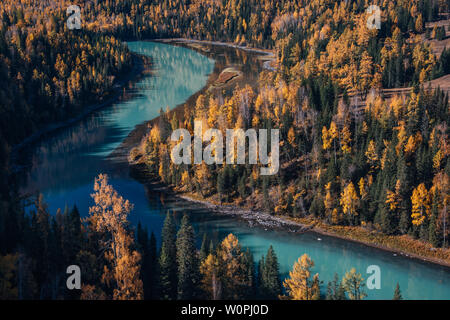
<point x="397" y="293"/>
<point x="203" y="249"/>
<point x="432" y="232"/>
<point x="271" y="283"/>
<point x="168" y="261"/>
<point x="187" y="261"/>
<point x="221" y="185"/>
<point x="250" y="281"/>
<point x="242" y="187"/>
<point x="260" y="275"/>
<point x="335" y="290"/>
<point x="153" y="272"/>
<point x="142" y="243"/>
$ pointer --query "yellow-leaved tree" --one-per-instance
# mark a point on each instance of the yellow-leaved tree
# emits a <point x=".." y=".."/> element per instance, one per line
<point x="210" y="283"/>
<point x="353" y="284"/>
<point x="300" y="285"/>
<point x="420" y="202"/>
<point x="109" y="218"/>
<point x="372" y="156"/>
<point x="346" y="140"/>
<point x="233" y="275"/>
<point x="349" y="200"/>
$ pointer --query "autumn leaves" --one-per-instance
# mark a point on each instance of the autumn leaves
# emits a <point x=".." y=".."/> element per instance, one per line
<point x="108" y="217"/>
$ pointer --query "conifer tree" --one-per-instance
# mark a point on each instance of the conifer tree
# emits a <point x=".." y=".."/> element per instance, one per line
<point x="250" y="281"/>
<point x="335" y="290"/>
<point x="109" y="216"/>
<point x="187" y="261"/>
<point x="300" y="285"/>
<point x="203" y="248"/>
<point x="270" y="285"/>
<point x="397" y="293"/>
<point x="153" y="271"/>
<point x="353" y="284"/>
<point x="168" y="260"/>
<point x="233" y="275"/>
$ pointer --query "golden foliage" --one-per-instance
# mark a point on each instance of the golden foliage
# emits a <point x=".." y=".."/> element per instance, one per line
<point x="109" y="217"/>
<point x="420" y="201"/>
<point x="349" y="200"/>
<point x="346" y="140"/>
<point x="371" y="155"/>
<point x="299" y="285"/>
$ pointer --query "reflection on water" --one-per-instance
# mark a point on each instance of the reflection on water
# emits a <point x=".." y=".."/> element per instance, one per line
<point x="64" y="165"/>
<point x="417" y="280"/>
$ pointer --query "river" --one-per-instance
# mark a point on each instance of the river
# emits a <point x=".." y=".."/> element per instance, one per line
<point x="63" y="166"/>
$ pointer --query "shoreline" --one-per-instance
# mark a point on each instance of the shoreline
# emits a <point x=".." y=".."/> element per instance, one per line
<point x="267" y="53"/>
<point x="139" y="66"/>
<point x="262" y="219"/>
<point x="266" y="220"/>
<point x="218" y="43"/>
<point x="135" y="136"/>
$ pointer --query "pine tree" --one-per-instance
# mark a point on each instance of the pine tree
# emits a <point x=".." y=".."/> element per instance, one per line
<point x="349" y="200"/>
<point x="109" y="215"/>
<point x="211" y="282"/>
<point x="270" y="285"/>
<point x="168" y="260"/>
<point x="142" y="244"/>
<point x="260" y="275"/>
<point x="187" y="261"/>
<point x="221" y="187"/>
<point x="420" y="204"/>
<point x="203" y="248"/>
<point x="353" y="284"/>
<point x="397" y="293"/>
<point x="250" y="282"/>
<point x="153" y="271"/>
<point x="432" y="230"/>
<point x="335" y="290"/>
<point x="242" y="187"/>
<point x="233" y="273"/>
<point x="299" y="285"/>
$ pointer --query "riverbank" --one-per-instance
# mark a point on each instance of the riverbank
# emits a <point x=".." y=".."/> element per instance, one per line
<point x="402" y="245"/>
<point x="141" y="65"/>
<point x="224" y="76"/>
<point x="218" y="43"/>
<point x="254" y="218"/>
<point x="267" y="55"/>
<point x="398" y="245"/>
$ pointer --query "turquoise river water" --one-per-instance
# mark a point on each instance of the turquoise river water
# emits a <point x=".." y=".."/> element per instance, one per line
<point x="64" y="164"/>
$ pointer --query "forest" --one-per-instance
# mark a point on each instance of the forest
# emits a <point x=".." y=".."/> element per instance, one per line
<point x="121" y="264"/>
<point x="363" y="141"/>
<point x="350" y="154"/>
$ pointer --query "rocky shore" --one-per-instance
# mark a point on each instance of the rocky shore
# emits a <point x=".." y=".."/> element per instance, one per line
<point x="254" y="218"/>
